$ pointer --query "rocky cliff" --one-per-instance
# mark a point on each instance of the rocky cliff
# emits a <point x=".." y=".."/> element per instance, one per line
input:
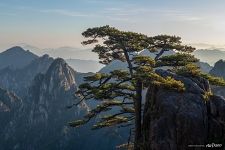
<point x="18" y="80"/>
<point x="10" y="105"/>
<point x="44" y="117"/>
<point x="10" y="108"/>
<point x="42" y="120"/>
<point x="50" y="93"/>
<point x="177" y="121"/>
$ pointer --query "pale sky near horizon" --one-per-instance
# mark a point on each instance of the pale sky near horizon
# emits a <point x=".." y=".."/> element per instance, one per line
<point x="56" y="23"/>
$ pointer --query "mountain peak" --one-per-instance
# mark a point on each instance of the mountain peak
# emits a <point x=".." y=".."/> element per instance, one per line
<point x="59" y="61"/>
<point x="16" y="58"/>
<point x="18" y="51"/>
<point x="219" y="69"/>
<point x="60" y="74"/>
<point x="15" y="48"/>
<point x="219" y="62"/>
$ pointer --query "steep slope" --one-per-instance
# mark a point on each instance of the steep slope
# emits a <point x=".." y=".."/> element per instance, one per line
<point x="20" y="79"/>
<point x="44" y="117"/>
<point x="205" y="67"/>
<point x="16" y="58"/>
<point x="50" y="94"/>
<point x="219" y="69"/>
<point x="9" y="104"/>
<point x="10" y="108"/>
<point x="174" y="121"/>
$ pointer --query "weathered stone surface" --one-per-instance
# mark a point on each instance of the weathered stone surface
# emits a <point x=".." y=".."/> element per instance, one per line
<point x="175" y="121"/>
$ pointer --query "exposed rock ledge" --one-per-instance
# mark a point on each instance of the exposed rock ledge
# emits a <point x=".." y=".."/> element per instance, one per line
<point x="176" y="121"/>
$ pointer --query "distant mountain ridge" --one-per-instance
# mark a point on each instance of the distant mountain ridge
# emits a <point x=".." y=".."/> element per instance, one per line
<point x="65" y="52"/>
<point x="84" y="65"/>
<point x="211" y="56"/>
<point x="16" y="58"/>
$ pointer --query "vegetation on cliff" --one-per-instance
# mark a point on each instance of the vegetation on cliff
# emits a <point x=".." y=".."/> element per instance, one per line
<point x="123" y="90"/>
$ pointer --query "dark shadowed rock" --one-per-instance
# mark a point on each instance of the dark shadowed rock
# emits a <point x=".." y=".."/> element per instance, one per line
<point x="10" y="108"/>
<point x="174" y="120"/>
<point x="9" y="102"/>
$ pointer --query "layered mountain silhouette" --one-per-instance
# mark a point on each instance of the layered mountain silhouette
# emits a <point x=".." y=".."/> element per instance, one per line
<point x="38" y="117"/>
<point x="34" y="97"/>
<point x="210" y="56"/>
<point x="84" y="65"/>
<point x="64" y="52"/>
<point x="18" y="80"/>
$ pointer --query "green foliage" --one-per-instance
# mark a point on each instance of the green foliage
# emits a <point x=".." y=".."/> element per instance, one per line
<point x="144" y="61"/>
<point x="167" y="42"/>
<point x="213" y="80"/>
<point x="194" y="71"/>
<point x="77" y="123"/>
<point x="189" y="70"/>
<point x="96" y="77"/>
<point x="178" y="59"/>
<point x="110" y="121"/>
<point x="170" y="83"/>
<point x="115" y="42"/>
<point x="207" y="95"/>
<point x="119" y="87"/>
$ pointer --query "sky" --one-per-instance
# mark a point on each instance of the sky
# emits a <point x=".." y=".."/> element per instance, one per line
<point x="57" y="23"/>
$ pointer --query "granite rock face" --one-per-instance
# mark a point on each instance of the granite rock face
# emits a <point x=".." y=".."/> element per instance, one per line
<point x="42" y="121"/>
<point x="10" y="108"/>
<point x="175" y="121"/>
<point x="10" y="105"/>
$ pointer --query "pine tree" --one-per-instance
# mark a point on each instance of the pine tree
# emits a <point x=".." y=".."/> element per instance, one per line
<point x="123" y="89"/>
